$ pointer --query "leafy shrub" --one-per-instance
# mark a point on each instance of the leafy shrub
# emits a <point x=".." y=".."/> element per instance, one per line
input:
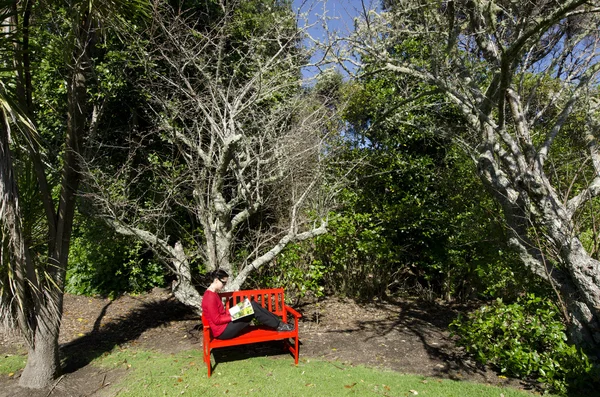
<point x="295" y="270"/>
<point x="525" y="339"/>
<point x="102" y="262"/>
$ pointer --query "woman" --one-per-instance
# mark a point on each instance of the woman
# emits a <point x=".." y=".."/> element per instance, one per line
<point x="219" y="319"/>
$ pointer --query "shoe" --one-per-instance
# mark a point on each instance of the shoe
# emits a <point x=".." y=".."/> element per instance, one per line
<point x="283" y="327"/>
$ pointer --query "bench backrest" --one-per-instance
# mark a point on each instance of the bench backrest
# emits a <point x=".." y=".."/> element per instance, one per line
<point x="271" y="299"/>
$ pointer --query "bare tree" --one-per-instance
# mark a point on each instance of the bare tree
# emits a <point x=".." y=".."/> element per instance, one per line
<point x="242" y="147"/>
<point x="521" y="74"/>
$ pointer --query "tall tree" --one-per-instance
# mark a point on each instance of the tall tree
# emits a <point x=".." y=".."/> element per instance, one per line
<point x="494" y="60"/>
<point x="234" y="158"/>
<point x="34" y="268"/>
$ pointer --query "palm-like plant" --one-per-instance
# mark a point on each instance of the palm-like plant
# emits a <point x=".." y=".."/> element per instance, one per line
<point x="31" y="277"/>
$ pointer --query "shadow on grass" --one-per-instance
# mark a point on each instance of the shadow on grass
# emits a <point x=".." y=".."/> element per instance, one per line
<point x="244" y="352"/>
<point x="81" y="351"/>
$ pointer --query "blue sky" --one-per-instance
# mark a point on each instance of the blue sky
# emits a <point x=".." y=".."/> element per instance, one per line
<point x="341" y="12"/>
<point x="340" y="17"/>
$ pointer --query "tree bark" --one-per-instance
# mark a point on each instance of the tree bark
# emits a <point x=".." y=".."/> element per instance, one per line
<point x="43" y="364"/>
<point x="575" y="275"/>
<point x="183" y="288"/>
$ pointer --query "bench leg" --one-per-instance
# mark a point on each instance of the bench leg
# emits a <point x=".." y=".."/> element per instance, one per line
<point x="296" y="351"/>
<point x="207" y="359"/>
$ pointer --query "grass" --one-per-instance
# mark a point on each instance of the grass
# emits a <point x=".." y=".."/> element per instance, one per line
<point x="10" y="364"/>
<point x="156" y="374"/>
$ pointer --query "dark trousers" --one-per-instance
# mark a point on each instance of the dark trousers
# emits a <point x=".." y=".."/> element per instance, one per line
<point x="261" y="315"/>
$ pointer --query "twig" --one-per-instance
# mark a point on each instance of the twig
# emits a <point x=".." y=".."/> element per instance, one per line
<point x="338" y="367"/>
<point x="54" y="386"/>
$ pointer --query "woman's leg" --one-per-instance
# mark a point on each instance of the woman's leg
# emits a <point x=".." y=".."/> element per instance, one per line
<point x="264" y="316"/>
<point x="234" y="328"/>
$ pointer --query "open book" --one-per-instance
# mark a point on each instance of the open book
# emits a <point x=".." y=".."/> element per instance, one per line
<point x="242" y="309"/>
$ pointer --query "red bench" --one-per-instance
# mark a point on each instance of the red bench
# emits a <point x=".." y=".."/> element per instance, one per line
<point x="271" y="299"/>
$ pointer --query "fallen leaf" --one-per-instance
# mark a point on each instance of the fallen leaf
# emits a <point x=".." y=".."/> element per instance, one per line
<point x="501" y="376"/>
<point x="386" y="387"/>
<point x="179" y="380"/>
<point x="11" y="374"/>
<point x="80" y="334"/>
<point x="350" y="386"/>
<point x="414" y="392"/>
<point x="80" y="319"/>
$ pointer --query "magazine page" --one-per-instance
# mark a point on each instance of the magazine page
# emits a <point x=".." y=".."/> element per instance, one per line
<point x="242" y="309"/>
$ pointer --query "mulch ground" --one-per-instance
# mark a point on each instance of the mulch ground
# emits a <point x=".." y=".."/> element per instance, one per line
<point x="405" y="336"/>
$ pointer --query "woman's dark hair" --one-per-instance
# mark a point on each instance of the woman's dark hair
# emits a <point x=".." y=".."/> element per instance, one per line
<point x="219" y="273"/>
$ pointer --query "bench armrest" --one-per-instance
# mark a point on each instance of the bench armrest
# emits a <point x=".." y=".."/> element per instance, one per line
<point x="206" y="331"/>
<point x="292" y="312"/>
<point x="288" y="310"/>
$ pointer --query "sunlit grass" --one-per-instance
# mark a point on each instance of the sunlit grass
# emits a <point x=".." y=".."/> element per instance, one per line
<point x="155" y="374"/>
<point x="11" y="363"/>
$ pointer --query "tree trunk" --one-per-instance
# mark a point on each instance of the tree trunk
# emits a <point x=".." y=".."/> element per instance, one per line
<point x="182" y="288"/>
<point x="572" y="272"/>
<point x="37" y="319"/>
<point x="218" y="243"/>
<point x="43" y="364"/>
<point x="585" y="304"/>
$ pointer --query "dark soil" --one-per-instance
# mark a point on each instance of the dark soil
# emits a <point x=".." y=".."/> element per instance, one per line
<point x="406" y="336"/>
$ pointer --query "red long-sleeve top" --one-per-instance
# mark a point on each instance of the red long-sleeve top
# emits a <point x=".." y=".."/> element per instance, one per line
<point x="215" y="313"/>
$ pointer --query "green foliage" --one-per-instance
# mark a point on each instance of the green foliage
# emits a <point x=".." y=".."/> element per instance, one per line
<point x="359" y="254"/>
<point x="296" y="270"/>
<point x="102" y="262"/>
<point x="417" y="219"/>
<point x="525" y="339"/>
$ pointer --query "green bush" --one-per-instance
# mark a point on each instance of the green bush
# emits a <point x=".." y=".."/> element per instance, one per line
<point x="102" y="262"/>
<point x="525" y="339"/>
<point x="295" y="270"/>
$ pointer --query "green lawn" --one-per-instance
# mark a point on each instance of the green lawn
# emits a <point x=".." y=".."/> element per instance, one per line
<point x="10" y="364"/>
<point x="155" y="374"/>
